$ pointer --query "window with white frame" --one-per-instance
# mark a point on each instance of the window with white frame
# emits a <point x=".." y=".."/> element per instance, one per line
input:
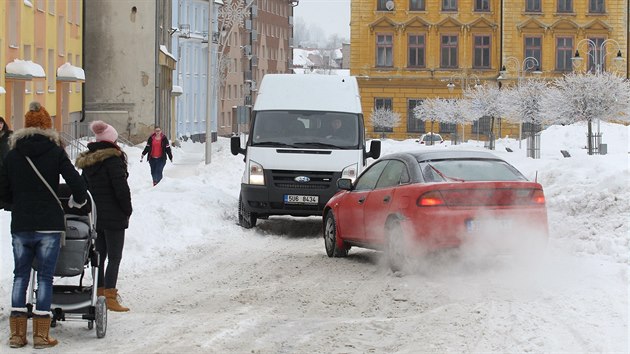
<point x="565" y="5"/>
<point x="384" y="50"/>
<point x="52" y="71"/>
<point x="417" y="50"/>
<point x="28" y="87"/>
<point x="533" y="49"/>
<point x="564" y="53"/>
<point x="481" y="52"/>
<point x="533" y="6"/>
<point x="596" y="6"/>
<point x="448" y="51"/>
<point x="12" y="28"/>
<point x="51" y="7"/>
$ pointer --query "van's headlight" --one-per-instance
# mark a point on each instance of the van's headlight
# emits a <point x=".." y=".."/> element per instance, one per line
<point x="256" y="173"/>
<point x="350" y="172"/>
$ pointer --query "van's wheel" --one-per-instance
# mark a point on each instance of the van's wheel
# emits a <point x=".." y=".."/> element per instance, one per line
<point x="245" y="218"/>
<point x="330" y="237"/>
<point x="101" y="317"/>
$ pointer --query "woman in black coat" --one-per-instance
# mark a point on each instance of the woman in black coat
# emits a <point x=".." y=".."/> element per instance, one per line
<point x="37" y="219"/>
<point x="5" y="134"/>
<point x="104" y="167"/>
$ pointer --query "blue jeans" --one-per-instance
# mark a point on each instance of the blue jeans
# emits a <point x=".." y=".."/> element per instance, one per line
<point x="157" y="166"/>
<point x="44" y="248"/>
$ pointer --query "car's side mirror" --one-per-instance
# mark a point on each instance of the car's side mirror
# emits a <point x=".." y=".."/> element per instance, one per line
<point x="235" y="146"/>
<point x="344" y="183"/>
<point x="375" y="150"/>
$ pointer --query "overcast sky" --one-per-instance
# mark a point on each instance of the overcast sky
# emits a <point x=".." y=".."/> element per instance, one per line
<point x="333" y="16"/>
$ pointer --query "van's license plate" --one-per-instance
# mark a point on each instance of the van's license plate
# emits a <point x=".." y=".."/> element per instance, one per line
<point x="300" y="199"/>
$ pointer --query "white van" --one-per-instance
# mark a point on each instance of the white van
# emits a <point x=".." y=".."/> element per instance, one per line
<point x="294" y="155"/>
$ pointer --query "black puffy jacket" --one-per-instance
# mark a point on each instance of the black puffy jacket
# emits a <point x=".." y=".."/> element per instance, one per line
<point x="105" y="170"/>
<point x="33" y="207"/>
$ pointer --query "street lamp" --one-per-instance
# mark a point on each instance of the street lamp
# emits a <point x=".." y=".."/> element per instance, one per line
<point x="212" y="94"/>
<point x="462" y="79"/>
<point x="597" y="53"/>
<point x="528" y="64"/>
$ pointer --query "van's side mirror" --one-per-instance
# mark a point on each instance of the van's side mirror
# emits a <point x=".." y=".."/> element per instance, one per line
<point x="235" y="146"/>
<point x="375" y="150"/>
<point x="344" y="183"/>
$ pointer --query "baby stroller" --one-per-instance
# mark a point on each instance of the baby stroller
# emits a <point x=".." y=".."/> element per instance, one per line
<point x="75" y="302"/>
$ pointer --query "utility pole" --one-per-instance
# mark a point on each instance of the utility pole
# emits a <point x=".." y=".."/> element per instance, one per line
<point x="211" y="99"/>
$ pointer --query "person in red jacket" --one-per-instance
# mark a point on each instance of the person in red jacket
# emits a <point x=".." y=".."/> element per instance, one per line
<point x="158" y="148"/>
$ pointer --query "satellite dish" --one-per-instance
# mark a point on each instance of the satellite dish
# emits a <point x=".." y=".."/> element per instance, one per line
<point x="389" y="5"/>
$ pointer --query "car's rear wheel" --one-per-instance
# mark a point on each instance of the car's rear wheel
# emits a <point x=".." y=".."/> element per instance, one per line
<point x="246" y="218"/>
<point x="396" y="247"/>
<point x="330" y="237"/>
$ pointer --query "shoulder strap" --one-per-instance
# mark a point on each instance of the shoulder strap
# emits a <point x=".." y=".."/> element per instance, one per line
<point x="63" y="233"/>
<point x="44" y="180"/>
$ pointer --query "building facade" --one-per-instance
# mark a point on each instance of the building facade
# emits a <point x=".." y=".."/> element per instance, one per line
<point x="41" y="53"/>
<point x="404" y="51"/>
<point x="190" y="47"/>
<point x="129" y="65"/>
<point x="253" y="38"/>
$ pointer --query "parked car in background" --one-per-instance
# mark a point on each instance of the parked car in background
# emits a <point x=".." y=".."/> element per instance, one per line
<point x="430" y="200"/>
<point x="431" y="139"/>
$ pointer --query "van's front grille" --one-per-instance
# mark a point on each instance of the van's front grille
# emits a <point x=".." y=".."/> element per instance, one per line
<point x="317" y="179"/>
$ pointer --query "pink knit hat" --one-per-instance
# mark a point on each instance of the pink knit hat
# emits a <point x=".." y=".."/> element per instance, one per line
<point x="103" y="131"/>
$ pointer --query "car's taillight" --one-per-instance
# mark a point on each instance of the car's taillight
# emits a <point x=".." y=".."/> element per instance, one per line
<point x="431" y="199"/>
<point x="538" y="197"/>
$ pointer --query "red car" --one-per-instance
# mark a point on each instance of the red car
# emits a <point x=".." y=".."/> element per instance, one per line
<point x="434" y="199"/>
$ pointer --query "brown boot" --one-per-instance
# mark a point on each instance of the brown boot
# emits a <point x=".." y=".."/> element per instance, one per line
<point x="100" y="291"/>
<point x="18" y="322"/>
<point x="111" y="296"/>
<point x="41" y="328"/>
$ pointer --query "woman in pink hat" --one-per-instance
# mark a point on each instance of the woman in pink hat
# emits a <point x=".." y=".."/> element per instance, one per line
<point x="104" y="167"/>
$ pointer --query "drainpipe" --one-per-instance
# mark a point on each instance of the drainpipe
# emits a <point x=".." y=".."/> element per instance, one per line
<point x="83" y="61"/>
<point x="157" y="79"/>
<point x="502" y="35"/>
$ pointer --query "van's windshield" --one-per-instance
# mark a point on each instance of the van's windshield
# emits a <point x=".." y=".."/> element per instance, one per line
<point x="306" y="129"/>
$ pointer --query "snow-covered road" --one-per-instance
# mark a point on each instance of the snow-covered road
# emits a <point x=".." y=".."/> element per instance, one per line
<point x="198" y="283"/>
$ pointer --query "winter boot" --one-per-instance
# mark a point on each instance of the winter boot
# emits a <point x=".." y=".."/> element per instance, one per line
<point x="17" y="322"/>
<point x="111" y="296"/>
<point x="41" y="328"/>
<point x="100" y="291"/>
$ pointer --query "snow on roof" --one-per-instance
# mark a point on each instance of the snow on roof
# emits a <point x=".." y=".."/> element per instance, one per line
<point x="177" y="90"/>
<point x="338" y="72"/>
<point x="164" y="50"/>
<point x="69" y="72"/>
<point x="308" y="92"/>
<point x="24" y="68"/>
<point x="301" y="57"/>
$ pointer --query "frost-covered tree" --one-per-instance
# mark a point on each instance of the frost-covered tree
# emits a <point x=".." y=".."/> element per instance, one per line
<point x="588" y="97"/>
<point x="430" y="109"/>
<point x="384" y="119"/>
<point x="456" y="111"/>
<point x="485" y="101"/>
<point x="523" y="103"/>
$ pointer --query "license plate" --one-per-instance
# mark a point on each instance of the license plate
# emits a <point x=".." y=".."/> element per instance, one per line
<point x="488" y="224"/>
<point x="300" y="199"/>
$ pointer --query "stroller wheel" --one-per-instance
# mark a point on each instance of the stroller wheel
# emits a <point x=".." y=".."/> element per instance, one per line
<point x="101" y="317"/>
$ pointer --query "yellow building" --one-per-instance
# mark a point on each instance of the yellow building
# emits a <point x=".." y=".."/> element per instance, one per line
<point x="404" y="51"/>
<point x="41" y="53"/>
